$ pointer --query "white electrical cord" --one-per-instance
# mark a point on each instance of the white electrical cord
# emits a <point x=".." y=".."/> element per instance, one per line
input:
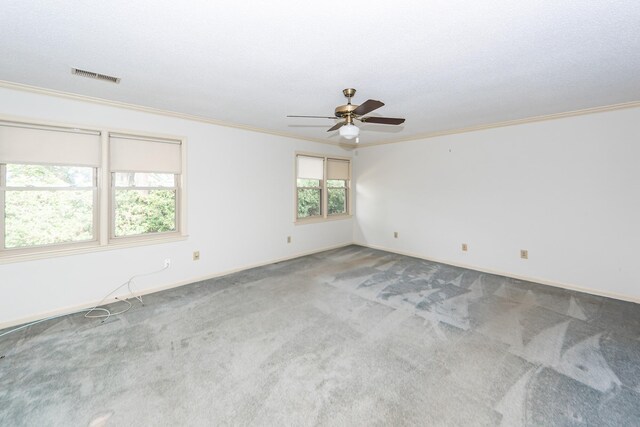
<point x="107" y="312"/>
<point x="128" y="285"/>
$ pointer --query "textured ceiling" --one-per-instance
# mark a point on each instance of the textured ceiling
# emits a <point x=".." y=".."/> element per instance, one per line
<point x="440" y="64"/>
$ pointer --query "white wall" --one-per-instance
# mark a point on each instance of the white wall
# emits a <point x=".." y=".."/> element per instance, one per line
<point x="568" y="190"/>
<point x="240" y="211"/>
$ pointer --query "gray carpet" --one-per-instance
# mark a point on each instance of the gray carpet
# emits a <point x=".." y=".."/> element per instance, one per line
<point x="350" y="337"/>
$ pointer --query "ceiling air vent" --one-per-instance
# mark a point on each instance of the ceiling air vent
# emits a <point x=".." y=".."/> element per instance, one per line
<point x="97" y="76"/>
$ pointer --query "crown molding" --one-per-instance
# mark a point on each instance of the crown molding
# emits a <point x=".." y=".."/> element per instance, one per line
<point x="348" y="146"/>
<point x="151" y="110"/>
<point x="534" y="119"/>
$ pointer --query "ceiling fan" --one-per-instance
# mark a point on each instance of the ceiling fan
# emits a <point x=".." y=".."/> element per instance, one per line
<point x="351" y="112"/>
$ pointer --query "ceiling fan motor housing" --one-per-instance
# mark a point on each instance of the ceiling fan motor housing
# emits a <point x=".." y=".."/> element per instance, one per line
<point x="345" y="110"/>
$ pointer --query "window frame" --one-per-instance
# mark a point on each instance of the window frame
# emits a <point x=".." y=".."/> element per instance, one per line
<point x="346" y="196"/>
<point x="95" y="190"/>
<point x="154" y="235"/>
<point x="324" y="195"/>
<point x="102" y="197"/>
<point x="320" y="187"/>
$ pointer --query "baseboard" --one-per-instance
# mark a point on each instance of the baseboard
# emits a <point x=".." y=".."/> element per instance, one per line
<point x="88" y="305"/>
<point x="547" y="282"/>
<point x="82" y="307"/>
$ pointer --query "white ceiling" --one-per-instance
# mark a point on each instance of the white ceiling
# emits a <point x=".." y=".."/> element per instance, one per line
<point x="442" y="65"/>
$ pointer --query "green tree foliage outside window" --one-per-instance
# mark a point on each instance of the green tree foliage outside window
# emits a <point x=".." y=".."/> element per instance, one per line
<point x="145" y="202"/>
<point x="35" y="218"/>
<point x="337" y="195"/>
<point x="144" y="211"/>
<point x="309" y="198"/>
<point x="47" y="205"/>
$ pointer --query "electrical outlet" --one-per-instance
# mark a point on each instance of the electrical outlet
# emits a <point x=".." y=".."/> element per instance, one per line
<point x="524" y="254"/>
<point x="395" y="234"/>
<point x="167" y="262"/>
<point x="465" y="248"/>
<point x="196" y="255"/>
<point x="288" y="239"/>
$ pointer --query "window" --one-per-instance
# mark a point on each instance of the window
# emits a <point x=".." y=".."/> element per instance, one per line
<point x="309" y="186"/>
<point x="58" y="191"/>
<point x="338" y="186"/>
<point x="143" y="203"/>
<point x="48" y="204"/>
<point x="317" y="197"/>
<point x="145" y="177"/>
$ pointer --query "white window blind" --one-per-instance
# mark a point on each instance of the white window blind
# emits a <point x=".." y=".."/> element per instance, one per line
<point x="310" y="167"/>
<point x="136" y="154"/>
<point x="24" y="143"/>
<point x="337" y="169"/>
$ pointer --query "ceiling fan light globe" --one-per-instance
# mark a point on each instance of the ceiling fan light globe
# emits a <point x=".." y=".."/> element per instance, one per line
<point x="349" y="131"/>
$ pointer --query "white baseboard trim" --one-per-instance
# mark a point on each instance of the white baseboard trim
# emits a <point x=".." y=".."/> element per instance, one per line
<point x="85" y="306"/>
<point x="88" y="305"/>
<point x="553" y="283"/>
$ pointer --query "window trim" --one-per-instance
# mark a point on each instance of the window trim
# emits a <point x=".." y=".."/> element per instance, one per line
<point x="95" y="189"/>
<point x="324" y="217"/>
<point x="319" y="187"/>
<point x="102" y="240"/>
<point x="347" y="196"/>
<point x="155" y="235"/>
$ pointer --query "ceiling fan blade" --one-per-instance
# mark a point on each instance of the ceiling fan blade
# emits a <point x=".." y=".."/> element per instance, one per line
<point x="367" y="106"/>
<point x="337" y="126"/>
<point x="316" y="117"/>
<point x="382" y="120"/>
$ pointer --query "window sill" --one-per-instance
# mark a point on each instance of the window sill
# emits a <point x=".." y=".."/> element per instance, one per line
<point x="7" y="257"/>
<point x="321" y="219"/>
